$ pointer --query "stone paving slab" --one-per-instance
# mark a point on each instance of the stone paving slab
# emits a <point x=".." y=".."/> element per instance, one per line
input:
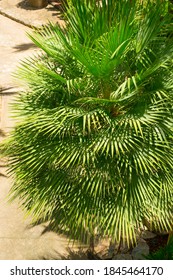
<point x="20" y="11"/>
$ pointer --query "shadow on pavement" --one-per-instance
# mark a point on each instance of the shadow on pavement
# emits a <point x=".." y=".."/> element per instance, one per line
<point x="24" y="47"/>
<point x="25" y="5"/>
<point x="6" y="91"/>
<point x="79" y="254"/>
<point x="2" y="134"/>
<point x="71" y="255"/>
<point x="3" y="175"/>
<point x="55" y="11"/>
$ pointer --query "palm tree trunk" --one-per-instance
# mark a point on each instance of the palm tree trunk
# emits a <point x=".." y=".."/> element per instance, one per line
<point x="38" y="3"/>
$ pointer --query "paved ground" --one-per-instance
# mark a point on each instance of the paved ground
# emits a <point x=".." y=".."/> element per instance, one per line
<point x="18" y="240"/>
<point x="22" y="12"/>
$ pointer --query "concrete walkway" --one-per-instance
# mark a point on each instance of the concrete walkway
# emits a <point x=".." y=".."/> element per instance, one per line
<point x="18" y="240"/>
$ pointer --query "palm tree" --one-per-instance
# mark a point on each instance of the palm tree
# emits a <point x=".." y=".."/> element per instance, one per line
<point x="93" y="149"/>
